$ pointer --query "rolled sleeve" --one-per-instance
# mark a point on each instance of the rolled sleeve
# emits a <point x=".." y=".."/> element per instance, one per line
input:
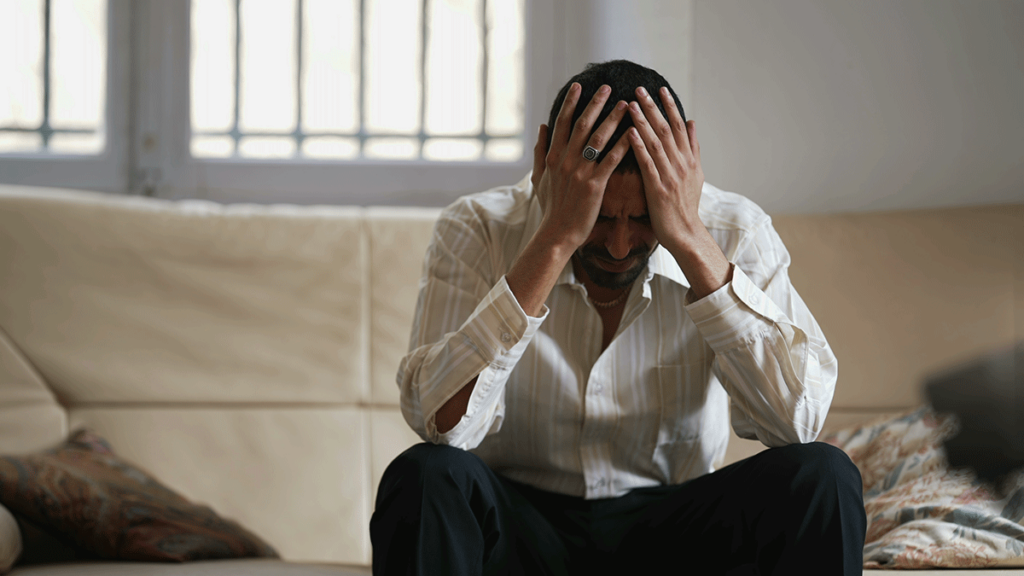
<point x="498" y="332"/>
<point x="770" y="353"/>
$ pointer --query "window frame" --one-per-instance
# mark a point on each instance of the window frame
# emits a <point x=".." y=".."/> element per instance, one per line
<point x="106" y="171"/>
<point x="166" y="169"/>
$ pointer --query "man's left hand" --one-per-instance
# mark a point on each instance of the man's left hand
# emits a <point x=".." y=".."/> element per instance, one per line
<point x="669" y="158"/>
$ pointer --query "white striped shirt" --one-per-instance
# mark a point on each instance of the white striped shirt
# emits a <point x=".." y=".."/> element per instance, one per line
<point x="551" y="410"/>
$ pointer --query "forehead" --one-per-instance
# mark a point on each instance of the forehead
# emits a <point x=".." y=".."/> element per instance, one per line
<point x="624" y="196"/>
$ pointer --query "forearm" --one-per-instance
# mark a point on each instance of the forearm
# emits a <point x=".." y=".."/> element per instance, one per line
<point x="535" y="271"/>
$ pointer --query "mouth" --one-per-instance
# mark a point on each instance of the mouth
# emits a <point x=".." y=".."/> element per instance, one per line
<point x="616" y="266"/>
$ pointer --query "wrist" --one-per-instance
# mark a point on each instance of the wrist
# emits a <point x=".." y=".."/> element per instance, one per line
<point x="554" y="237"/>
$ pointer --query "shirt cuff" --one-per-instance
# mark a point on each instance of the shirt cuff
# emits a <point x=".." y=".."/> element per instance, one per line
<point x="499" y="329"/>
<point x="736" y="312"/>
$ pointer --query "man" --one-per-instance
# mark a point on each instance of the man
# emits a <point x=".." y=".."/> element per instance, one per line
<point x="578" y="342"/>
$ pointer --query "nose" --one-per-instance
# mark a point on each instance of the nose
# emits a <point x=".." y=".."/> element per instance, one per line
<point x="618" y="240"/>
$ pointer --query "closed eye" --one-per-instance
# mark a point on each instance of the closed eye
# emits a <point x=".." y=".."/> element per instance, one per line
<point x="645" y="219"/>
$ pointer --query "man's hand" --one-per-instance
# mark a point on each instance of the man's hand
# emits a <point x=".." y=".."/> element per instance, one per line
<point x="571" y="188"/>
<point x="669" y="158"/>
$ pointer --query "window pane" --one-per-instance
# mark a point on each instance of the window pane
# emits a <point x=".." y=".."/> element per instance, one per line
<point x="21" y="64"/>
<point x="393" y="48"/>
<point x="20" y="142"/>
<point x="505" y="86"/>
<point x="213" y="65"/>
<point x="268" y="81"/>
<point x="449" y="149"/>
<point x="78" y="66"/>
<point x="330" y="58"/>
<point x="212" y="146"/>
<point x="455" y="67"/>
<point x="330" y="147"/>
<point x="266" y="147"/>
<point x="392" y="148"/>
<point x="504" y="150"/>
<point x="76" y="143"/>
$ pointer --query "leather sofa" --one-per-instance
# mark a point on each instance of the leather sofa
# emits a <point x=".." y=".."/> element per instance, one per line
<point x="245" y="355"/>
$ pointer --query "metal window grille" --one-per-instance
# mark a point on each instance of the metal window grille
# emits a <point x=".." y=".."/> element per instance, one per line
<point x="230" y="140"/>
<point x="77" y="129"/>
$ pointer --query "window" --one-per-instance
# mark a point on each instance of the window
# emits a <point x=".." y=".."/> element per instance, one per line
<point x="54" y="66"/>
<point x="301" y="101"/>
<point x="342" y="79"/>
<point x="63" y="117"/>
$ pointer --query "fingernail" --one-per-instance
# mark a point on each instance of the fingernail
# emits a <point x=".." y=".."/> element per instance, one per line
<point x="642" y="91"/>
<point x="604" y="89"/>
<point x="621" y="105"/>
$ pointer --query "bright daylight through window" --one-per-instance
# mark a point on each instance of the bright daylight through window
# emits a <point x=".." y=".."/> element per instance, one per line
<point x="53" y="57"/>
<point x="348" y="79"/>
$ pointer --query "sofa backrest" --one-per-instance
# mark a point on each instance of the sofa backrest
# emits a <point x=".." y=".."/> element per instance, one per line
<point x="246" y="355"/>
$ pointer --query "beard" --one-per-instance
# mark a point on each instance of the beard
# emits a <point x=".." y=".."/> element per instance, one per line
<point x="589" y="256"/>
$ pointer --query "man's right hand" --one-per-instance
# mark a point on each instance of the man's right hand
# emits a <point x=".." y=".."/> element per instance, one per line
<point x="570" y="188"/>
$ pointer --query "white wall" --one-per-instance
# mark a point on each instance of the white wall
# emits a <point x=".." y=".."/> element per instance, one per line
<point x="833" y="105"/>
<point x="821" y="106"/>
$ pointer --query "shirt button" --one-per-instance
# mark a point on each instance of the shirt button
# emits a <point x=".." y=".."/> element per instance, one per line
<point x="756" y="299"/>
<point x="506" y="337"/>
<point x="598" y="388"/>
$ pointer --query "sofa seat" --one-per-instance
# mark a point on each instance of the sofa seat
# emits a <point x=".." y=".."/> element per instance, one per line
<point x="255" y="567"/>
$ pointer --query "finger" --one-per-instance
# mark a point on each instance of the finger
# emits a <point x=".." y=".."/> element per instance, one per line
<point x="612" y="159"/>
<point x="561" y="134"/>
<point x="654" y="117"/>
<point x="675" y="120"/>
<point x="604" y="132"/>
<point x="655" y="147"/>
<point x="648" y="167"/>
<point x="691" y="131"/>
<point x="581" y="131"/>
<point x="540" y="152"/>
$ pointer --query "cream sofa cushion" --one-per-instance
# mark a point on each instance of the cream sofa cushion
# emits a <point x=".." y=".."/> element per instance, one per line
<point x="900" y="295"/>
<point x="117" y="299"/>
<point x="30" y="417"/>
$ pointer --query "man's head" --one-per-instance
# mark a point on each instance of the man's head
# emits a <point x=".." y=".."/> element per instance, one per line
<point x="622" y="239"/>
<point x="624" y="77"/>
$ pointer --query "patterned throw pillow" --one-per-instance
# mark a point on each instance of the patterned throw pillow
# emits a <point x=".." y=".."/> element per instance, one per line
<point x="921" y="514"/>
<point x="84" y="494"/>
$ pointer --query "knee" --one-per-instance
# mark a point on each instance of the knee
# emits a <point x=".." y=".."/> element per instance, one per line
<point x="817" y="464"/>
<point x="427" y="465"/>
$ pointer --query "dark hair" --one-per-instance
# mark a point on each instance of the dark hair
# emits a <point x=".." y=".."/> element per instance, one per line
<point x="623" y="77"/>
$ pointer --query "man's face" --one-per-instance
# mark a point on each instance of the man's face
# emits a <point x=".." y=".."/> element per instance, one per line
<point x="622" y="239"/>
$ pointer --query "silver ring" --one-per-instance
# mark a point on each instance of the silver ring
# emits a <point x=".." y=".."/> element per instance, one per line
<point x="590" y="153"/>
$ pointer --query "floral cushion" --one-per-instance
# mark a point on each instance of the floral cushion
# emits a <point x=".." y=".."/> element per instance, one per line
<point x="87" y="497"/>
<point x="921" y="514"/>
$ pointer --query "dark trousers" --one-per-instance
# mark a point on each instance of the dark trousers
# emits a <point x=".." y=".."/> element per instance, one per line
<point x="792" y="510"/>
